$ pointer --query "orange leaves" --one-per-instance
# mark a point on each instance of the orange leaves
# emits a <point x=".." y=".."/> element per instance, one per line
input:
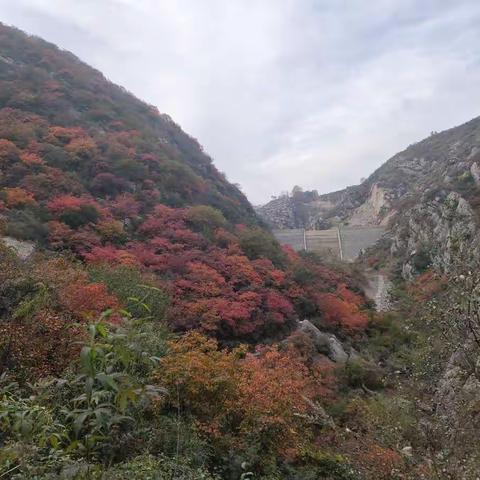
<point x="74" y="139"/>
<point x="8" y="151"/>
<point x="59" y="234"/>
<point x="42" y="346"/>
<point x="67" y="202"/>
<point x="240" y="271"/>
<point x="384" y="463"/>
<point x="200" y="376"/>
<point x="342" y="309"/>
<point x="271" y="394"/>
<point x="89" y="300"/>
<point x="63" y="134"/>
<point x="259" y="396"/>
<point x="426" y="285"/>
<point x="18" y="197"/>
<point x="83" y="147"/>
<point x="30" y="158"/>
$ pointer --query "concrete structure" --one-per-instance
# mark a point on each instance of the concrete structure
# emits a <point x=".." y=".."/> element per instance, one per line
<point x="293" y="237"/>
<point x="323" y="241"/>
<point x="344" y="242"/>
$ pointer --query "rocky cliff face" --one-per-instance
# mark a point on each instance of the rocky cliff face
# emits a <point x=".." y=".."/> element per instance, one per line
<point x="434" y="232"/>
<point x="428" y="195"/>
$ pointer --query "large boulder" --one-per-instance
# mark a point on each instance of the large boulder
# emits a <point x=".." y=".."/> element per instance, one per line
<point x="23" y="249"/>
<point x="324" y="343"/>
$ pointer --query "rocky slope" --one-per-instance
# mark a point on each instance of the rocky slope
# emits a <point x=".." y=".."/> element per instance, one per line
<point x="428" y="195"/>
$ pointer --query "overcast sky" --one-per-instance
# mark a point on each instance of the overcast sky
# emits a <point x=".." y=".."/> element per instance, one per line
<point x="282" y="92"/>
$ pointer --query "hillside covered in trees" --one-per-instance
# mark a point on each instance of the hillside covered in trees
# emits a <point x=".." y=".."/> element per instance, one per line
<point x="158" y="330"/>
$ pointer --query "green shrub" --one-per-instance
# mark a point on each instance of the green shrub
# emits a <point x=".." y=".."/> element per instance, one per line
<point x="421" y="260"/>
<point x="90" y="415"/>
<point x="205" y="219"/>
<point x="258" y="243"/>
<point x="358" y="373"/>
<point x="26" y="225"/>
<point x="78" y="218"/>
<point x="140" y="296"/>
<point x="147" y="467"/>
<point x="323" y="465"/>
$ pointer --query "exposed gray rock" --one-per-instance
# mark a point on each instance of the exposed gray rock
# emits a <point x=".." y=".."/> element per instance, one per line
<point x="437" y="230"/>
<point x="475" y="171"/>
<point x="325" y="343"/>
<point x="336" y="351"/>
<point x="407" y="451"/>
<point x="377" y="289"/>
<point x="22" y="248"/>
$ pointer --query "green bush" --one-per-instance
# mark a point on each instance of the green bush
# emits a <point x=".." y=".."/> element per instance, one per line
<point x="358" y="373"/>
<point x="258" y="243"/>
<point x="140" y="297"/>
<point x="78" y="218"/>
<point x="89" y="415"/>
<point x="205" y="219"/>
<point x="323" y="465"/>
<point x="148" y="467"/>
<point x="26" y="225"/>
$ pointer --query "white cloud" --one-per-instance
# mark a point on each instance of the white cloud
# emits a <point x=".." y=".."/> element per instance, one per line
<point x="281" y="92"/>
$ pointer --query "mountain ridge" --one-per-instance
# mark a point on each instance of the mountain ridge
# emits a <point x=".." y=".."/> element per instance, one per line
<point x="76" y="94"/>
<point x="435" y="162"/>
<point x="395" y="175"/>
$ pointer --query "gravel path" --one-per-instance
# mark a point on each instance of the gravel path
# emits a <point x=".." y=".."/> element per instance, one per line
<point x="377" y="289"/>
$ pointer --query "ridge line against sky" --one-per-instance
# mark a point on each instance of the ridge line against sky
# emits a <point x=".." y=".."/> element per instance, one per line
<point x="281" y="92"/>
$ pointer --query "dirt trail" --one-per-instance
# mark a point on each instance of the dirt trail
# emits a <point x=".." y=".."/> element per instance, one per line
<point x="377" y="289"/>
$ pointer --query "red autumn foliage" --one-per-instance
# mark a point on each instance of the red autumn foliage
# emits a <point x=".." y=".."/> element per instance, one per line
<point x="342" y="309"/>
<point x="110" y="254"/>
<point x="130" y="188"/>
<point x="68" y="202"/>
<point x="125" y="205"/>
<point x="30" y="158"/>
<point x="426" y="285"/>
<point x="60" y="235"/>
<point x="382" y="462"/>
<point x="89" y="300"/>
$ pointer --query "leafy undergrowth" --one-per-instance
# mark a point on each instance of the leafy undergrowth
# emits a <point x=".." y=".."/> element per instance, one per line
<point x="113" y="391"/>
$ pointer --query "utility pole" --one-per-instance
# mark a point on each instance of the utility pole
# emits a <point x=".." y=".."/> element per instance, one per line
<point x="339" y="236"/>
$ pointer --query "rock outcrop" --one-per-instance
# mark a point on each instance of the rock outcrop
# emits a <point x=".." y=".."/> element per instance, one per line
<point x="23" y="249"/>
<point x="428" y="196"/>
<point x="325" y="344"/>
